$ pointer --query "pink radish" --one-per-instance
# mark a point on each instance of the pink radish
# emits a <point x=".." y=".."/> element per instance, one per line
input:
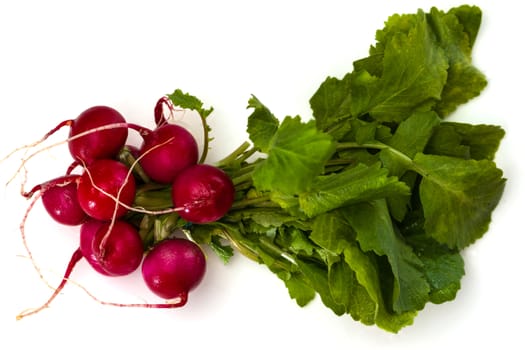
<point x="101" y="184"/>
<point x="59" y="197"/>
<point x="102" y="143"/>
<point x="173" y="268"/>
<point x="117" y="247"/>
<point x="88" y="230"/>
<point x="166" y="151"/>
<point x="204" y="192"/>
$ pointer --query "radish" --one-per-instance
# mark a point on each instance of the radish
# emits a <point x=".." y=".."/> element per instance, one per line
<point x="102" y="195"/>
<point x="114" y="250"/>
<point x="173" y="268"/>
<point x="117" y="247"/>
<point x="103" y="183"/>
<point x="166" y="151"/>
<point x="88" y="230"/>
<point x="102" y="143"/>
<point x="204" y="192"/>
<point x="61" y="202"/>
<point x="59" y="197"/>
<point x="98" y="132"/>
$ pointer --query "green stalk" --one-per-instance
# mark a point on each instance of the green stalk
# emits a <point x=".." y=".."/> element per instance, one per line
<point x="282" y="259"/>
<point x="234" y="156"/>
<point x="153" y="198"/>
<point x="128" y="159"/>
<point x="277" y="252"/>
<point x="206" y="131"/>
<point x="246" y="202"/>
<point x="402" y="158"/>
<point x="242" y="179"/>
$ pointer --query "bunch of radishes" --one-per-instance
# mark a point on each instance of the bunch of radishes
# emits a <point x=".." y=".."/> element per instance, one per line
<point x="98" y="192"/>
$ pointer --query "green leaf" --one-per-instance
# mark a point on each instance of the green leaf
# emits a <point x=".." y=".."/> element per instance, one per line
<point x="296" y="155"/>
<point x="262" y="125"/>
<point x="375" y="232"/>
<point x="288" y="202"/>
<point x="396" y="23"/>
<point x="410" y="137"/>
<point x="367" y="272"/>
<point x="368" y="303"/>
<point x="332" y="231"/>
<point x="446" y="141"/>
<point x="356" y="184"/>
<point x="342" y="281"/>
<point x="413" y="133"/>
<point x="224" y="252"/>
<point x="203" y="234"/>
<point x="299" y="289"/>
<point x="294" y="240"/>
<point x="359" y="156"/>
<point x="188" y="101"/>
<point x="444" y="267"/>
<point x="470" y="18"/>
<point x="317" y="277"/>
<point x="458" y="197"/>
<point x="266" y="217"/>
<point x="331" y="103"/>
<point x="413" y="74"/>
<point x="465" y="140"/>
<point x="364" y="132"/>
<point x="455" y="32"/>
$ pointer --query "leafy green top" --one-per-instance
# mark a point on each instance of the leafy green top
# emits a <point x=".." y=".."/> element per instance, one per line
<point x="370" y="203"/>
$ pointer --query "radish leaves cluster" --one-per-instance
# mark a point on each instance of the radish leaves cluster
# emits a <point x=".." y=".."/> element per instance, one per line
<point x="370" y="203"/>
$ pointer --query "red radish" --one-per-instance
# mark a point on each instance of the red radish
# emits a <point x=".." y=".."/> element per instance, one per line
<point x="117" y="247"/>
<point x="75" y="258"/>
<point x="111" y="177"/>
<point x="173" y="268"/>
<point x="61" y="202"/>
<point x="88" y="231"/>
<point x="166" y="151"/>
<point x="98" y="132"/>
<point x="205" y="192"/>
<point x="121" y="254"/>
<point x="102" y="143"/>
<point x="59" y="197"/>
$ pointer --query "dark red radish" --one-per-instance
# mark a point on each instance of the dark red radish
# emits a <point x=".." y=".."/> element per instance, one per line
<point x="173" y="268"/>
<point x="121" y="254"/>
<point x="101" y="143"/>
<point x="118" y="248"/>
<point x="204" y="192"/>
<point x="98" y="132"/>
<point x="59" y="197"/>
<point x="88" y="231"/>
<point x="166" y="151"/>
<point x="102" y="180"/>
<point x="61" y="202"/>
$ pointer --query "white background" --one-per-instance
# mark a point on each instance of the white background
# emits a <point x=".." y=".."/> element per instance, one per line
<point x="58" y="58"/>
